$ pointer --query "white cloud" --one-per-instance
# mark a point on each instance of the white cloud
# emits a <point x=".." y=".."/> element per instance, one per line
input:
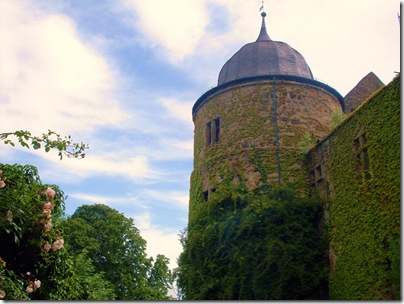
<point x="159" y="241"/>
<point x="50" y="78"/>
<point x="176" y="25"/>
<point x="110" y="201"/>
<point x="134" y="167"/>
<point x="180" y="199"/>
<point x="185" y="145"/>
<point x="192" y="35"/>
<point x="95" y="199"/>
<point x="342" y="41"/>
<point x="180" y="110"/>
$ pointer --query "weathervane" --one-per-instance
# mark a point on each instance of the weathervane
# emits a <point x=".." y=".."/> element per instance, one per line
<point x="262" y="9"/>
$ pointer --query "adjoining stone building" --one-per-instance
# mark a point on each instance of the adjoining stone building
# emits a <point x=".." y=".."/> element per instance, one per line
<point x="356" y="169"/>
<point x="267" y="122"/>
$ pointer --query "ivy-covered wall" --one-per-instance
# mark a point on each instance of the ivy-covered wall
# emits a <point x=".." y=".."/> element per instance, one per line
<point x="246" y="154"/>
<point x="356" y="168"/>
<point x="360" y="161"/>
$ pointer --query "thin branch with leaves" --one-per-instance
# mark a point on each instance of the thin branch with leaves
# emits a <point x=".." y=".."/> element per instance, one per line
<point x="50" y="140"/>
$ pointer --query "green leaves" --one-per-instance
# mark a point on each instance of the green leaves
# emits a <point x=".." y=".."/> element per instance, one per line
<point x="50" y="140"/>
<point x="25" y="228"/>
<point x="261" y="247"/>
<point x="117" y="250"/>
<point x="105" y="259"/>
<point x="365" y="213"/>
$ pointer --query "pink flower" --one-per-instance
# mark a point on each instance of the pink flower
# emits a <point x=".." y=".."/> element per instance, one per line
<point x="28" y="273"/>
<point x="37" y="284"/>
<point x="2" y="184"/>
<point x="2" y="294"/>
<point x="46" y="213"/>
<point x="47" y="246"/>
<point x="47" y="227"/>
<point x="58" y="244"/>
<point x="9" y="216"/>
<point x="50" y="193"/>
<point x="29" y="289"/>
<point x="48" y="206"/>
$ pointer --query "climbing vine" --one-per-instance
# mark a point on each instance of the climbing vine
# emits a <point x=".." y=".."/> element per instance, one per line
<point x="364" y="209"/>
<point x="245" y="246"/>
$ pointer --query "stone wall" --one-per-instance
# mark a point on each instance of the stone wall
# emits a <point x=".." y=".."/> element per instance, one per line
<point x="246" y="153"/>
<point x="356" y="169"/>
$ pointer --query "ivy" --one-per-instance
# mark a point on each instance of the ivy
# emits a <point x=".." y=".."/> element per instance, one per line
<point x="249" y="247"/>
<point x="364" y="211"/>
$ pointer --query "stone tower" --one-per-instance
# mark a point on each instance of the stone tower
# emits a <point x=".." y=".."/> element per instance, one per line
<point x="254" y="127"/>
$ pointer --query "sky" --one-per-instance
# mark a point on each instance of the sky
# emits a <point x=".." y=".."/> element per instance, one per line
<point x="122" y="76"/>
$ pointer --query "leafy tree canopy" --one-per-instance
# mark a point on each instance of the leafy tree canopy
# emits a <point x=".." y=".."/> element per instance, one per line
<point x="115" y="247"/>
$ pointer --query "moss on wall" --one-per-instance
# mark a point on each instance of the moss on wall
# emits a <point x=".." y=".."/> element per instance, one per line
<point x="246" y="153"/>
<point x="360" y="161"/>
<point x="364" y="209"/>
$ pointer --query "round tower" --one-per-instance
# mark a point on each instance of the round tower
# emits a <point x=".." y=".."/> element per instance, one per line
<point x="253" y="129"/>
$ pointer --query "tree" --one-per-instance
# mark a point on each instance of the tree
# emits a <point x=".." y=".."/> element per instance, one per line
<point x="159" y="279"/>
<point x="116" y="249"/>
<point x="93" y="285"/>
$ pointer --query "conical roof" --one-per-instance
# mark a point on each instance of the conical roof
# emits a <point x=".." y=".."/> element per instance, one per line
<point x="264" y="57"/>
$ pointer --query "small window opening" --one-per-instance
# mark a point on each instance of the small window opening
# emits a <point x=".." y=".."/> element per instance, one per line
<point x="318" y="172"/>
<point x="208" y="132"/>
<point x="217" y="129"/>
<point x="361" y="155"/>
<point x="206" y="195"/>
<point x="311" y="178"/>
<point x="318" y="178"/>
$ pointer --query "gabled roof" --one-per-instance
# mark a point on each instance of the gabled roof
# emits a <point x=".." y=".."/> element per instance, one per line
<point x="362" y="91"/>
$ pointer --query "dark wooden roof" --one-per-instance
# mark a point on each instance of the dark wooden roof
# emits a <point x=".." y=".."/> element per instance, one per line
<point x="264" y="57"/>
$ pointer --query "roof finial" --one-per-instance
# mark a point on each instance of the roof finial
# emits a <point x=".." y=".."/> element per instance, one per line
<point x="263" y="33"/>
<point x="262" y="8"/>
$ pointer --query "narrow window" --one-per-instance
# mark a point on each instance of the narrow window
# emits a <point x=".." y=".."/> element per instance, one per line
<point x="318" y="172"/>
<point x="361" y="155"/>
<point x="216" y="123"/>
<point x="319" y="182"/>
<point x="311" y="177"/>
<point x="205" y="195"/>
<point x="208" y="132"/>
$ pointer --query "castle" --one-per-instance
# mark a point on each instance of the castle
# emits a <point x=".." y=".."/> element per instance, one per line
<point x="269" y="122"/>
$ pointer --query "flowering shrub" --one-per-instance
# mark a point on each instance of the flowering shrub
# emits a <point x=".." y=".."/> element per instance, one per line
<point x="30" y="238"/>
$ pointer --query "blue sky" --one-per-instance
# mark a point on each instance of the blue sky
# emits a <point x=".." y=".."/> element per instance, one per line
<point x="123" y="75"/>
